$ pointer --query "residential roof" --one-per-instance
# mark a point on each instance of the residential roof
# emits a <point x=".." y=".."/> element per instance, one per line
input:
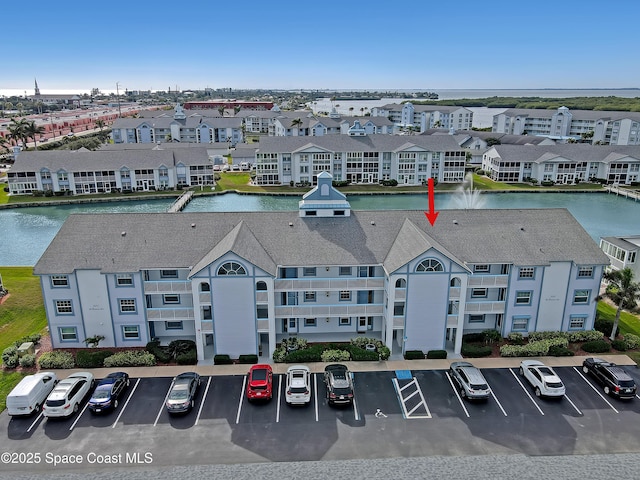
<point x="628" y="243"/>
<point x="576" y="114"/>
<point x="578" y="152"/>
<point x="131" y="242"/>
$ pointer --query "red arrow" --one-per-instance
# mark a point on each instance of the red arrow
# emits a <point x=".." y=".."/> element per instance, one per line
<point x="431" y="214"/>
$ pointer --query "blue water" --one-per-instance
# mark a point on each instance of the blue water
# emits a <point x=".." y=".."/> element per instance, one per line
<point x="25" y="233"/>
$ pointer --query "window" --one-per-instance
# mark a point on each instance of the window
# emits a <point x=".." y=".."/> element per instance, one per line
<point x="63" y="307"/>
<point x="345" y="296"/>
<point x="59" y="281"/>
<point x="124" y="280"/>
<point x="585" y="272"/>
<point x="309" y="271"/>
<point x="131" y="332"/>
<point x="476" y="318"/>
<point x="173" y="325"/>
<point x="127" y="305"/>
<point x="261" y="286"/>
<point x="168" y="273"/>
<point x="289" y="298"/>
<point x="581" y="296"/>
<point x="577" y="322"/>
<point x="520" y="324"/>
<point x="262" y="311"/>
<point x="309" y="296"/>
<point x="68" y="334"/>
<point x="526" y="272"/>
<point x="310" y="322"/>
<point x="288" y="272"/>
<point x="401" y="283"/>
<point x="344" y="321"/>
<point x="523" y="298"/>
<point x="205" y="287"/>
<point x="398" y="308"/>
<point x="481" y="268"/>
<point x="171" y="298"/>
<point x="231" y="268"/>
<point x="478" y="293"/>
<point x="366" y="272"/>
<point x="345" y="271"/>
<point x="430" y="265"/>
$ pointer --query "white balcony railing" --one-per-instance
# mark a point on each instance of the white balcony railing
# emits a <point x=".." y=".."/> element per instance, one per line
<point x="329" y="310"/>
<point x="173" y="286"/>
<point x="484" y="307"/>
<point x="263" y="325"/>
<point x="169" y="314"/>
<point x="488" y="281"/>
<point x="329" y="283"/>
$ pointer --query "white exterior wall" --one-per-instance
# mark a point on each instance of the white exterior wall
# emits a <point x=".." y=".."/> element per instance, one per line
<point x="553" y="296"/>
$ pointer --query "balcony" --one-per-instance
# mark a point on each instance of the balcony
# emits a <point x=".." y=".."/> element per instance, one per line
<point x="484" y="307"/>
<point x="398" y="323"/>
<point x="169" y="314"/>
<point x="175" y="286"/>
<point x="400" y="294"/>
<point x="262" y="297"/>
<point x="329" y="310"/>
<point x="263" y="325"/>
<point x="206" y="326"/>
<point x="452" y="320"/>
<point x="488" y="281"/>
<point x="204" y="298"/>
<point x="454" y="292"/>
<point x="329" y="284"/>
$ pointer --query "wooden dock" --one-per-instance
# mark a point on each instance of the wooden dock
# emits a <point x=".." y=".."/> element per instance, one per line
<point x="181" y="202"/>
<point x="634" y="194"/>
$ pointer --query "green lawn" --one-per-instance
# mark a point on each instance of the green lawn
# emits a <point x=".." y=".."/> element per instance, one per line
<point x="21" y="314"/>
<point x="629" y="323"/>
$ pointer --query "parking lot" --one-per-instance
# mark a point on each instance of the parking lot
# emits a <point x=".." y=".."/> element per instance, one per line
<point x="395" y="413"/>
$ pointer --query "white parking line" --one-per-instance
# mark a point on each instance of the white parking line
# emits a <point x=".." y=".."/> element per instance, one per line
<point x="595" y="389"/>
<point x="35" y="421"/>
<point x="315" y="387"/>
<point x="125" y="403"/>
<point x="78" y="417"/>
<point x="204" y="396"/>
<point x="163" y="403"/>
<point x="526" y="391"/>
<point x="355" y="406"/>
<point x="279" y="398"/>
<point x="244" y="383"/>
<point x="455" y="390"/>
<point x="572" y="404"/>
<point x="409" y="414"/>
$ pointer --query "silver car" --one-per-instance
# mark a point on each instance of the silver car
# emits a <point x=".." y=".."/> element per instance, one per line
<point x="181" y="397"/>
<point x="470" y="381"/>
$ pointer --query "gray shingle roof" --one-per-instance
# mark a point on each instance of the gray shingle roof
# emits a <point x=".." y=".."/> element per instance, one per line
<point x="578" y="152"/>
<point x="576" y="114"/>
<point x="168" y="240"/>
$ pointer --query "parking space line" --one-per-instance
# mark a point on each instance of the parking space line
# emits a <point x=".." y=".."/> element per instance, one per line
<point x="166" y="397"/>
<point x="526" y="391"/>
<point x="355" y="407"/>
<point x="279" y="398"/>
<point x="572" y="404"/>
<point x="497" y="401"/>
<point x="125" y="403"/>
<point x="402" y="399"/>
<point x="244" y="382"/>
<point x="595" y="389"/>
<point x="455" y="390"/>
<point x="86" y="405"/>
<point x="204" y="397"/>
<point x="315" y="388"/>
<point x="35" y="421"/>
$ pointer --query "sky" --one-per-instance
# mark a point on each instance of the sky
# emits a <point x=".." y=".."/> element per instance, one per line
<point x="373" y="45"/>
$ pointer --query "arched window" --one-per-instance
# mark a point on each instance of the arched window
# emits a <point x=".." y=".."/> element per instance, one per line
<point x="455" y="282"/>
<point x="231" y="268"/>
<point x="261" y="285"/>
<point x="430" y="265"/>
<point x="401" y="283"/>
<point x="205" y="287"/>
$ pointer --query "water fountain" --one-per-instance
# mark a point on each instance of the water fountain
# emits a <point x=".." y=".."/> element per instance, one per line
<point x="466" y="197"/>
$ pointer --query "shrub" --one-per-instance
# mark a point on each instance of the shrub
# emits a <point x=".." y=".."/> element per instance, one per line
<point x="584" y="336"/>
<point x="336" y="356"/>
<point x="632" y="341"/>
<point x="56" y="359"/>
<point x="28" y="360"/>
<point x="310" y="354"/>
<point x="35" y="338"/>
<point x="361" y="355"/>
<point x="473" y="337"/>
<point x="293" y="343"/>
<point x="362" y="342"/>
<point x="605" y="326"/>
<point x="435" y="354"/>
<point x="188" y="358"/>
<point x="516" y="338"/>
<point x="491" y="336"/>
<point x="596" y="346"/>
<point x="130" y="359"/>
<point x="414" y="355"/>
<point x="162" y="354"/>
<point x="536" y="348"/>
<point x="619" y="345"/>
<point x="384" y="352"/>
<point x="558" y="351"/>
<point x="91" y="359"/>
<point x="279" y="355"/>
<point x="547" y="183"/>
<point x="178" y="347"/>
<point x="475" y="351"/>
<point x="535" y="336"/>
<point x="222" y="360"/>
<point x="248" y="359"/>
<point x="10" y="357"/>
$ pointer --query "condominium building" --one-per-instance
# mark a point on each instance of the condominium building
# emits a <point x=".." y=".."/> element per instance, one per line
<point x="424" y="117"/>
<point x="623" y="252"/>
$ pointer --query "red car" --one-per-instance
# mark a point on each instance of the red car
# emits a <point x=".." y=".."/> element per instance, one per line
<point x="260" y="384"/>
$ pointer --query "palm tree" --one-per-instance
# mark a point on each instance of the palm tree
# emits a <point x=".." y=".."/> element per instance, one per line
<point x="623" y="291"/>
<point x="3" y="144"/>
<point x="221" y="110"/>
<point x="100" y="124"/>
<point x="351" y="111"/>
<point x="297" y="122"/>
<point x="32" y="131"/>
<point x="17" y="129"/>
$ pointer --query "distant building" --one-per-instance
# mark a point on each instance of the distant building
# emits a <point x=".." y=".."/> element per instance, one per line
<point x="228" y="104"/>
<point x="424" y="117"/>
<point x="623" y="252"/>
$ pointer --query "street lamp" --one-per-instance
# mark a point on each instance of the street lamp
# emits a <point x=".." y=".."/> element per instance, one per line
<point x="118" y="95"/>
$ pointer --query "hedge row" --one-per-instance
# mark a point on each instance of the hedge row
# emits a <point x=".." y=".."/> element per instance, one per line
<point x="91" y="359"/>
<point x="130" y="359"/>
<point x="533" y="349"/>
<point x="573" y="337"/>
<point x="596" y="346"/>
<point x="56" y="359"/>
<point x="475" y="351"/>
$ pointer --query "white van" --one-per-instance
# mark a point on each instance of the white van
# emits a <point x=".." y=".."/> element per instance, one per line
<point x="29" y="395"/>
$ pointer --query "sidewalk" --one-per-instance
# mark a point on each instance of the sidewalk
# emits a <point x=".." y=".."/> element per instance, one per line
<point x="318" y="367"/>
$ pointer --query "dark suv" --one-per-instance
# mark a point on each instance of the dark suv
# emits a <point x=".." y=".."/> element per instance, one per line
<point x="613" y="378"/>
<point x="339" y="384"/>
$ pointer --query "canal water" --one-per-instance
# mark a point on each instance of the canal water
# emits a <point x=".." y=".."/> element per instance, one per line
<point x="25" y="233"/>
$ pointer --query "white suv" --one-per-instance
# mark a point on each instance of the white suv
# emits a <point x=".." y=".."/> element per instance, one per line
<point x="298" y="388"/>
<point x="542" y="378"/>
<point x="66" y="397"/>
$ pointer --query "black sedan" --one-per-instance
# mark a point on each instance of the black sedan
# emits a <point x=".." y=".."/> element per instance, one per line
<point x="181" y="398"/>
<point x="108" y="392"/>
